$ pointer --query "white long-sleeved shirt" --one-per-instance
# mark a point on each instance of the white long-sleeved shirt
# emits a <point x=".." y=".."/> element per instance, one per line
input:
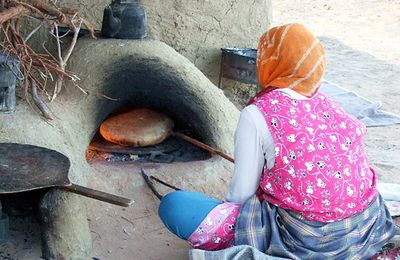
<point x="254" y="147"/>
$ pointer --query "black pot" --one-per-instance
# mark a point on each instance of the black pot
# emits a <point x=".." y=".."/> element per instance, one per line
<point x="124" y="19"/>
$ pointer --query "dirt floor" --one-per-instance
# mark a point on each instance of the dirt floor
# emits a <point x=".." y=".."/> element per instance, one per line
<point x="120" y="233"/>
<point x="361" y="40"/>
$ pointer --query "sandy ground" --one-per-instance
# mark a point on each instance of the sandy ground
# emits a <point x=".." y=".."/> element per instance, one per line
<point x="120" y="233"/>
<point x="361" y="40"/>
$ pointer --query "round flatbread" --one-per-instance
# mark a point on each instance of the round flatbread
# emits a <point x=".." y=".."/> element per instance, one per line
<point x="139" y="127"/>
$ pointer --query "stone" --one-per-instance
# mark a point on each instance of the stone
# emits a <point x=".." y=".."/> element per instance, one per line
<point x="139" y="127"/>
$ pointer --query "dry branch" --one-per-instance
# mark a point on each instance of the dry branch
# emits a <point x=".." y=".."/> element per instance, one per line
<point x="48" y="9"/>
<point x="40" y="69"/>
<point x="64" y="59"/>
<point x="70" y="11"/>
<point x="44" y="109"/>
<point x="13" y="12"/>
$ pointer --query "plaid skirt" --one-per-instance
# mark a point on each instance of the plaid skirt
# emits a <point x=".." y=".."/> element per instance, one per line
<point x="287" y="234"/>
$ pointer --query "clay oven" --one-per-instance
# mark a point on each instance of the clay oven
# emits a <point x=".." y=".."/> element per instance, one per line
<point x="146" y="73"/>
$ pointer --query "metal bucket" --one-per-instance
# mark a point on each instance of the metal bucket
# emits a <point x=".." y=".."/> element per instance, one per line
<point x="9" y="69"/>
<point x="239" y="64"/>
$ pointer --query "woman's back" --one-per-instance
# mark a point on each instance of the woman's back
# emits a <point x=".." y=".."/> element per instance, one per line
<point x="321" y="169"/>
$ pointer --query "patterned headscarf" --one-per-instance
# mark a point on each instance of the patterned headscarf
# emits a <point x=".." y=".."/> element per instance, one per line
<point x="290" y="56"/>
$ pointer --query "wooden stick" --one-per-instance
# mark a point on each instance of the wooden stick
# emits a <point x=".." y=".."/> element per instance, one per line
<point x="204" y="146"/>
<point x="48" y="9"/>
<point x="39" y="103"/>
<point x="99" y="195"/>
<point x="70" y="11"/>
<point x="34" y="10"/>
<point x="89" y="26"/>
<point x="13" y="12"/>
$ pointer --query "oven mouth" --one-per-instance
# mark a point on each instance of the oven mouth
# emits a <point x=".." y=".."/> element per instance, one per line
<point x="20" y="224"/>
<point x="171" y="150"/>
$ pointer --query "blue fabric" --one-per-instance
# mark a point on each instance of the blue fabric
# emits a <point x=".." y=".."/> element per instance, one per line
<point x="183" y="211"/>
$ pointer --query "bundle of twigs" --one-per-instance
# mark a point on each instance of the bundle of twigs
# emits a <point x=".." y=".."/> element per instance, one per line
<point x="41" y="71"/>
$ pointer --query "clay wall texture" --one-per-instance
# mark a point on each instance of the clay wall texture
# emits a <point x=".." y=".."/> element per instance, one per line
<point x="196" y="29"/>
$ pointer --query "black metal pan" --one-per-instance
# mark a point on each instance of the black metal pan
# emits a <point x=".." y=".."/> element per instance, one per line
<point x="27" y="167"/>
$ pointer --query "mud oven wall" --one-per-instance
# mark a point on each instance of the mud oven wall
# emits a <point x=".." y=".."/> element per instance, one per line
<point x="196" y="29"/>
<point x="145" y="73"/>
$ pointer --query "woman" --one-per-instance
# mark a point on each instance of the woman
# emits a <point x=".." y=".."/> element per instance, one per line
<point x="302" y="186"/>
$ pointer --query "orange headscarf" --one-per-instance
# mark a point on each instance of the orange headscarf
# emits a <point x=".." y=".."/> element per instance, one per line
<point x="289" y="56"/>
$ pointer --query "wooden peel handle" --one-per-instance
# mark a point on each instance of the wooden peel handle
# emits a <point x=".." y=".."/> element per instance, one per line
<point x="204" y="146"/>
<point x="99" y="195"/>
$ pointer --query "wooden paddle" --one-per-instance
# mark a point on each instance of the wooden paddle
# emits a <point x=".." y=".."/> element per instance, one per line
<point x="28" y="167"/>
<point x="203" y="146"/>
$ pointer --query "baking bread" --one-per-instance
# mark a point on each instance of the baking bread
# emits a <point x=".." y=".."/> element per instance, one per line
<point x="139" y="127"/>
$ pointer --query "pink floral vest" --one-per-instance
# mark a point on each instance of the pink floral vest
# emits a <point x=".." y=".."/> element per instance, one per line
<point x="321" y="169"/>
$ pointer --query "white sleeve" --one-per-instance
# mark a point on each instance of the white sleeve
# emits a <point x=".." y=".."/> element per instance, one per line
<point x="249" y="158"/>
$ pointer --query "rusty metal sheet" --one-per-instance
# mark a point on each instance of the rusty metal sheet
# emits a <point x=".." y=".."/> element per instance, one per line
<point x="27" y="167"/>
